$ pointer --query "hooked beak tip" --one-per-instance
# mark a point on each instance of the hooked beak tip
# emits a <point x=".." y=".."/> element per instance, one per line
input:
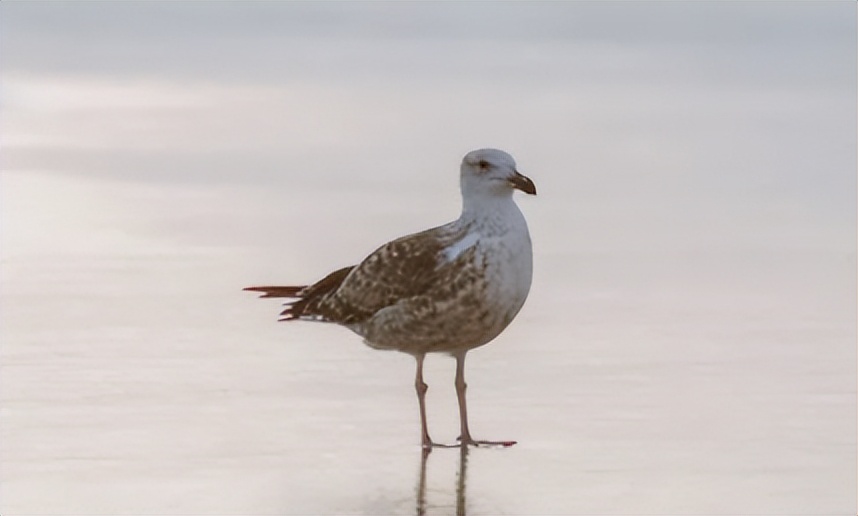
<point x="523" y="183"/>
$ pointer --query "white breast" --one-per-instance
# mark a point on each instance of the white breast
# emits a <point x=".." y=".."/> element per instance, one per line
<point x="508" y="256"/>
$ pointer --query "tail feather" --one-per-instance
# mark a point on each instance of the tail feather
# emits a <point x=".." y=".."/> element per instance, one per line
<point x="277" y="291"/>
<point x="307" y="299"/>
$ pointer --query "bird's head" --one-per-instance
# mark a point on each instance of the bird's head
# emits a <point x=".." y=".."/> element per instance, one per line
<point x="492" y="172"/>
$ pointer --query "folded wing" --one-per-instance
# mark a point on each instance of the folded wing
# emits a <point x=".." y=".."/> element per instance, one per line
<point x="404" y="268"/>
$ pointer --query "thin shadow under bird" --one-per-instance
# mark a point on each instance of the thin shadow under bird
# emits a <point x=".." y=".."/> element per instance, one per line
<point x="448" y="289"/>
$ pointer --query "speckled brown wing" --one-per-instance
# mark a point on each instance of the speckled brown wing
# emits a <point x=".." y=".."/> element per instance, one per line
<point x="404" y="268"/>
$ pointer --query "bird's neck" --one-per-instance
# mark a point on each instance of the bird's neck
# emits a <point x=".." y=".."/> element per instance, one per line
<point x="481" y="207"/>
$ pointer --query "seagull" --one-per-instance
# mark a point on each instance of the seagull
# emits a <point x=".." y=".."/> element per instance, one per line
<point x="448" y="289"/>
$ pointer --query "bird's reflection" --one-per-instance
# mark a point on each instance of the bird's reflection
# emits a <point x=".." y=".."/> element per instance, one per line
<point x="461" y="481"/>
<point x="421" y="482"/>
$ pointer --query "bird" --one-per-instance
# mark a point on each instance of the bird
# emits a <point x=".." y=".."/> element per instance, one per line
<point x="448" y="289"/>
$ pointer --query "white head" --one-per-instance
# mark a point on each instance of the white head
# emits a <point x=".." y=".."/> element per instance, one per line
<point x="491" y="172"/>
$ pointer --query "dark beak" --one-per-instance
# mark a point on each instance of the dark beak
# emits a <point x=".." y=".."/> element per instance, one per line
<point x="523" y="183"/>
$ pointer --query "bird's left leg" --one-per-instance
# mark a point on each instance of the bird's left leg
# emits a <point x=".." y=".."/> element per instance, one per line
<point x="465" y="437"/>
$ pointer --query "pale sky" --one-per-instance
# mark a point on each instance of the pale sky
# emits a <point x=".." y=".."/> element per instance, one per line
<point x="599" y="87"/>
<point x="653" y="106"/>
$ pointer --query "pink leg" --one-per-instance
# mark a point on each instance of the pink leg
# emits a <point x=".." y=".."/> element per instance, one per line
<point x="465" y="437"/>
<point x="421" y="387"/>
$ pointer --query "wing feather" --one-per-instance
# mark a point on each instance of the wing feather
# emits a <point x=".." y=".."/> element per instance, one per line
<point x="403" y="268"/>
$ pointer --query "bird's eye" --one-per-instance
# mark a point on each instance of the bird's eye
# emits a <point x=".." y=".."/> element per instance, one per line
<point x="483" y="164"/>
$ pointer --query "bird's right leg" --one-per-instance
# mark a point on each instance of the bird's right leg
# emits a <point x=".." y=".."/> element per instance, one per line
<point x="421" y="387"/>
